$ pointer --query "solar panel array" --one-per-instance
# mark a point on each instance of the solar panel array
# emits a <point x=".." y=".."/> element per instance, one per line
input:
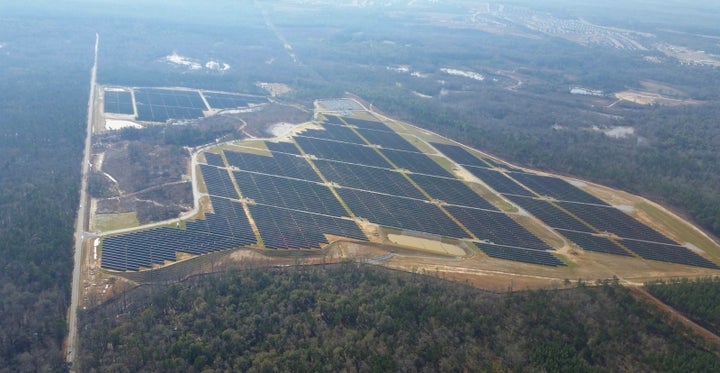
<point x="498" y="181"/>
<point x="402" y="213"/>
<point x="118" y="102"/>
<point x="230" y="101"/>
<point x="283" y="147"/>
<point x="459" y="155"/>
<point x="160" y="105"/>
<point x="367" y="124"/>
<point x="289" y="193"/>
<point x="591" y="242"/>
<point x="227" y="228"/>
<point x="214" y="159"/>
<point x="350" y="153"/>
<point x="416" y="162"/>
<point x="612" y="220"/>
<point x="368" y="178"/>
<point x="667" y="253"/>
<point x="550" y="214"/>
<point x="334" y="132"/>
<point x="292" y="208"/>
<point x="497" y="228"/>
<point x="389" y="140"/>
<point x="290" y="229"/>
<point x="520" y="255"/>
<point x="452" y="191"/>
<point x="556" y="188"/>
<point x="278" y="164"/>
<point x="218" y="182"/>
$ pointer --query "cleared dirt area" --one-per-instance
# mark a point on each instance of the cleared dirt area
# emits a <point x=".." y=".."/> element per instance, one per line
<point x="650" y="98"/>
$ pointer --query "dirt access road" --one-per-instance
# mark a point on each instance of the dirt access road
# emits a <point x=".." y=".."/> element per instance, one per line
<point x="673" y="314"/>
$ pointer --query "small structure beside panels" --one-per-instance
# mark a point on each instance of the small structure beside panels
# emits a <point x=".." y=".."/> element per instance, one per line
<point x="347" y="172"/>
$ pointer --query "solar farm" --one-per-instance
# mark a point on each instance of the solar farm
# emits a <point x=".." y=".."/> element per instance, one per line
<point x="161" y="105"/>
<point x="356" y="178"/>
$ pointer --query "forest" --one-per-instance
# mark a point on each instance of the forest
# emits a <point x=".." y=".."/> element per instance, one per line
<point x="43" y="107"/>
<point x="697" y="299"/>
<point x="363" y="318"/>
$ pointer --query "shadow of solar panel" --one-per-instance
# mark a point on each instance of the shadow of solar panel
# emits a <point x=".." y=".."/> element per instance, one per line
<point x="459" y="155"/>
<point x="283" y="147"/>
<point x="288" y="229"/>
<point x="335" y="133"/>
<point x="402" y="213"/>
<point x="594" y="243"/>
<point x="118" y="102"/>
<point x="214" y="159"/>
<point x="416" y="162"/>
<point x="279" y="164"/>
<point x="343" y="152"/>
<point x="497" y="228"/>
<point x="289" y="193"/>
<point x="612" y="220"/>
<point x="550" y="214"/>
<point x="388" y="140"/>
<point x="218" y="182"/>
<point x="667" y="253"/>
<point x="452" y="191"/>
<point x="368" y="178"/>
<point x="230" y="101"/>
<point x="498" y="181"/>
<point x="520" y="255"/>
<point x="368" y="124"/>
<point x="556" y="188"/>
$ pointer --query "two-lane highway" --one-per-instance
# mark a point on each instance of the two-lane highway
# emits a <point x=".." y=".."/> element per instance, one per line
<point x="82" y="221"/>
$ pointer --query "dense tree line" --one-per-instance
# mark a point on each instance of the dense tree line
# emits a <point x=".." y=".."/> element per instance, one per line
<point x="364" y="318"/>
<point x="699" y="299"/>
<point x="43" y="101"/>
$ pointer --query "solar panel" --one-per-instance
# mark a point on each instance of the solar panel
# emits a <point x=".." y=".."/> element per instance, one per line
<point x="667" y="253"/>
<point x="416" y="162"/>
<point x="280" y="164"/>
<point x="556" y="188"/>
<point x="343" y="152"/>
<point x="591" y="242"/>
<point x="452" y="191"/>
<point x="498" y="181"/>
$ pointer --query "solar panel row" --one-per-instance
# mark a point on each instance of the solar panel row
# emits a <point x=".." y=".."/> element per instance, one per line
<point x="368" y="124"/>
<point x="283" y="147"/>
<point x="590" y="242"/>
<point x="160" y="105"/>
<point x="520" y="255"/>
<point x="667" y="253"/>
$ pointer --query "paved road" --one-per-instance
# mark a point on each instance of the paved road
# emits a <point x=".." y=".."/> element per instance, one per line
<point x="82" y="219"/>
